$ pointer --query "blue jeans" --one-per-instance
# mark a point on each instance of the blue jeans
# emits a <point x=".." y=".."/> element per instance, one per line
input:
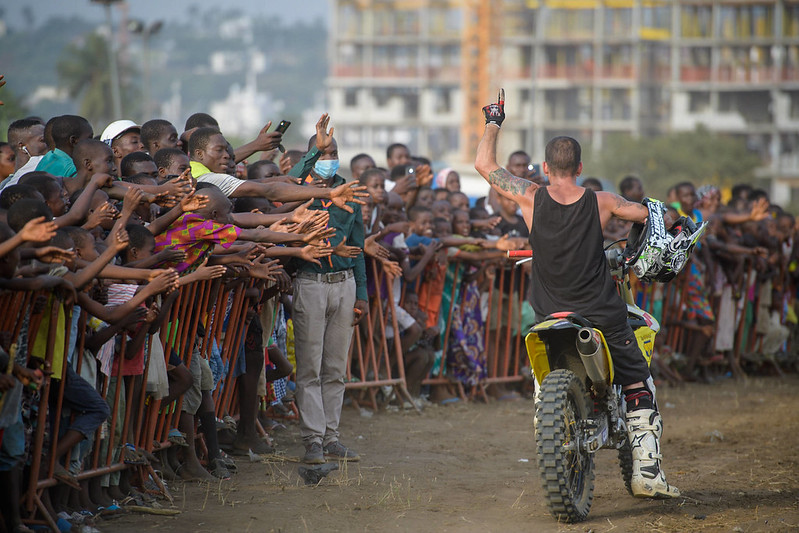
<point x="84" y="401"/>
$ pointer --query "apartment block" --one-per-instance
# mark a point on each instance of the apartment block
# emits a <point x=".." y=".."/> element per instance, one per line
<point x="413" y="71"/>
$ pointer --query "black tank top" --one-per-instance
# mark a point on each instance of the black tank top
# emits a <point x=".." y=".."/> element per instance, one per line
<point x="570" y="272"/>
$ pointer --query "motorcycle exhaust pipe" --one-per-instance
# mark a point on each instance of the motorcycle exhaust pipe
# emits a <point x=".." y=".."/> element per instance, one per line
<point x="592" y="352"/>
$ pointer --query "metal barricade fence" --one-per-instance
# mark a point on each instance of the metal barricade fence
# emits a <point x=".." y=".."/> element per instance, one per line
<point x="197" y="307"/>
<point x="375" y="359"/>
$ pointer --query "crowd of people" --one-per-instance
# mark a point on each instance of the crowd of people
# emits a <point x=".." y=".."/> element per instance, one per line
<point x="118" y="225"/>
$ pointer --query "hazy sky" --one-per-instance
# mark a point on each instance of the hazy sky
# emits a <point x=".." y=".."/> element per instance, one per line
<point x="290" y="10"/>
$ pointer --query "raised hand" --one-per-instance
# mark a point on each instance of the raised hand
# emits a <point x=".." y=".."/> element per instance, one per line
<point x="205" y="272"/>
<point x="424" y="175"/>
<point x="281" y="226"/>
<point x="506" y="243"/>
<point x="265" y="269"/>
<point x="61" y="287"/>
<point x="181" y="185"/>
<point x="154" y="273"/>
<point x="342" y="250"/>
<point x="193" y="202"/>
<point x="53" y="254"/>
<point x="121" y="240"/>
<point x="348" y="192"/>
<point x="133" y="318"/>
<point x="324" y="138"/>
<point x="361" y="310"/>
<point x="164" y="281"/>
<point x="371" y="247"/>
<point x="486" y="223"/>
<point x="313" y="253"/>
<point x="266" y="141"/>
<point x="166" y="200"/>
<point x="152" y="313"/>
<point x="405" y="184"/>
<point x="172" y="255"/>
<point x="133" y="197"/>
<point x="105" y="213"/>
<point x="392" y="268"/>
<point x="760" y="210"/>
<point x="302" y="213"/>
<point x="101" y="179"/>
<point x="38" y="230"/>
<point x="495" y="113"/>
<point x="319" y="235"/>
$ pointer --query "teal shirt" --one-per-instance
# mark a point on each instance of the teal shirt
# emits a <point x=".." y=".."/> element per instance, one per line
<point x="57" y="163"/>
<point x="348" y="226"/>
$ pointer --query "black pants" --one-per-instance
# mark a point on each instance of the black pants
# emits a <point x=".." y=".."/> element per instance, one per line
<point x="629" y="364"/>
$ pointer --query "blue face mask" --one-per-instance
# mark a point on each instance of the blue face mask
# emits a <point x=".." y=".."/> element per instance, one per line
<point x="326" y="168"/>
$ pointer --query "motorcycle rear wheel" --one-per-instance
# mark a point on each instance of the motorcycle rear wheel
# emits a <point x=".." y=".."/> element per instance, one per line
<point x="626" y="465"/>
<point x="567" y="471"/>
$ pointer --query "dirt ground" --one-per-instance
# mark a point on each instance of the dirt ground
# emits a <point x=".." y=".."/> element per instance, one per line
<point x="731" y="447"/>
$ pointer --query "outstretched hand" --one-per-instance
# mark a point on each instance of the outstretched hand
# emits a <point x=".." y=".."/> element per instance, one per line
<point x="38" y="230"/>
<point x="373" y="248"/>
<point x="348" y="192"/>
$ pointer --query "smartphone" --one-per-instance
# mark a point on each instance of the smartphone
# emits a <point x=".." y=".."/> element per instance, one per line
<point x="281" y="129"/>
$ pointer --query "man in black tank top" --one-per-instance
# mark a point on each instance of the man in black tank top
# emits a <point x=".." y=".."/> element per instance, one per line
<point x="570" y="273"/>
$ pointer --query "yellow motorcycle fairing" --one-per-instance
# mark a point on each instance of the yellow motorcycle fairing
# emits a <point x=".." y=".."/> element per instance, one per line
<point x="537" y="353"/>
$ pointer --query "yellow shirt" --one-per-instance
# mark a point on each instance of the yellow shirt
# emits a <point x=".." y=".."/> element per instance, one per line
<point x="198" y="169"/>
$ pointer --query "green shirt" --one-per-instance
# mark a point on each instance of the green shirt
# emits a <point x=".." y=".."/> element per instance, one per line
<point x="305" y="165"/>
<point x="57" y="163"/>
<point x="348" y="226"/>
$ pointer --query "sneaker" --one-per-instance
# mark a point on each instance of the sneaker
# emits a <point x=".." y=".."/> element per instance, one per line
<point x="336" y="450"/>
<point x="313" y="454"/>
<point x="644" y="428"/>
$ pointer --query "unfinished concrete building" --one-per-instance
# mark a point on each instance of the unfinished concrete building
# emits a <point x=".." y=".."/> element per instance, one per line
<point x="417" y="71"/>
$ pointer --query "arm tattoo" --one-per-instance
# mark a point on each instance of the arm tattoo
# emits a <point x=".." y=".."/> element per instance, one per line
<point x="509" y="183"/>
<point x="622" y="202"/>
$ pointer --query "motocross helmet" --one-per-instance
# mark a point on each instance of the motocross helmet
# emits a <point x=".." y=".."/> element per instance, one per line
<point x="655" y="253"/>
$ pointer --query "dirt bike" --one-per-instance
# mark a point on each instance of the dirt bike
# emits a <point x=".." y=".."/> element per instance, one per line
<point x="578" y="409"/>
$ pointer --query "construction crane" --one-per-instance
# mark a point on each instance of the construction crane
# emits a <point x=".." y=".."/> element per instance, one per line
<point x="478" y="57"/>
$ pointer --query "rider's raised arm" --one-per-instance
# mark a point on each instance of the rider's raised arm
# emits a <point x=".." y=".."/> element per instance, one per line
<point x="517" y="189"/>
<point x="617" y="206"/>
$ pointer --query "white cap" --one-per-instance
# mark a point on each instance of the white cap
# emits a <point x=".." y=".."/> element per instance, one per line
<point x="117" y="128"/>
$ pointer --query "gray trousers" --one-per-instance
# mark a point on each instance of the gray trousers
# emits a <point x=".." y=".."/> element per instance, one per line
<point x="323" y="315"/>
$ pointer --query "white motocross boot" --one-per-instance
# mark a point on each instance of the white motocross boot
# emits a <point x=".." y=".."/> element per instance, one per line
<point x="644" y="428"/>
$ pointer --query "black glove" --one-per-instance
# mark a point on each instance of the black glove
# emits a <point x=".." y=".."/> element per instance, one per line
<point x="494" y="114"/>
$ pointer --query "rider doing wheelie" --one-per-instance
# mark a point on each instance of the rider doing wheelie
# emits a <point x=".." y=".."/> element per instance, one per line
<point x="570" y="272"/>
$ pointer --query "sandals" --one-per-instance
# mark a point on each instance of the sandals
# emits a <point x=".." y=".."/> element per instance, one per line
<point x="134" y="456"/>
<point x="61" y="474"/>
<point x="177" y="438"/>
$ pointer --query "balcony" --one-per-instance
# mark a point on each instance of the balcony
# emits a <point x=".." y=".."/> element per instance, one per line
<point x="568" y="72"/>
<point x="730" y="74"/>
<point x="694" y="74"/>
<point x="625" y="72"/>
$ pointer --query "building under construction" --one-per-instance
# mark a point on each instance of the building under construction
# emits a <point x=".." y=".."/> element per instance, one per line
<point x="418" y="71"/>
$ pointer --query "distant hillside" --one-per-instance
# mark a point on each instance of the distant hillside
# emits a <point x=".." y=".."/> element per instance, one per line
<point x="294" y="70"/>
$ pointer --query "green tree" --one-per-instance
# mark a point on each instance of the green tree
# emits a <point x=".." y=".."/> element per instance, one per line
<point x="84" y="71"/>
<point x="699" y="156"/>
<point x="11" y="110"/>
